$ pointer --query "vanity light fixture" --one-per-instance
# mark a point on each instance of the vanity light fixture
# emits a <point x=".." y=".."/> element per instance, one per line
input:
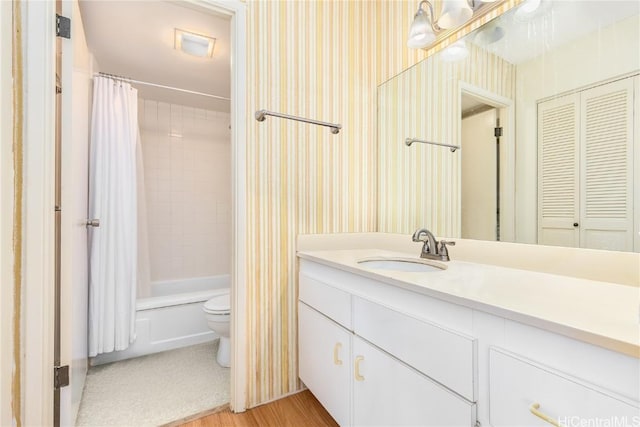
<point x="455" y="13"/>
<point x="527" y="10"/>
<point x="194" y="44"/>
<point x="456" y="52"/>
<point x="489" y="34"/>
<point x="422" y="31"/>
<point x="424" y="28"/>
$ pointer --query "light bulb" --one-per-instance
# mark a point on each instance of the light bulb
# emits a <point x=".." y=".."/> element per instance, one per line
<point x="456" y="52"/>
<point x="420" y="34"/>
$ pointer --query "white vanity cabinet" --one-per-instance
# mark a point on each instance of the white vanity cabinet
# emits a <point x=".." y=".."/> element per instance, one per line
<point x="324" y="346"/>
<point x="378" y="380"/>
<point x="377" y="351"/>
<point x="386" y="392"/>
<point x="446" y="356"/>
<point x="325" y="361"/>
<point x="525" y="393"/>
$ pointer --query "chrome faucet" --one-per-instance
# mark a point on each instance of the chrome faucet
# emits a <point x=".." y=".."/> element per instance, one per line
<point x="432" y="249"/>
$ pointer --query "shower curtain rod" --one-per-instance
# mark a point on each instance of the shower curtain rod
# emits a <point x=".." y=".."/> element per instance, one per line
<point x="127" y="79"/>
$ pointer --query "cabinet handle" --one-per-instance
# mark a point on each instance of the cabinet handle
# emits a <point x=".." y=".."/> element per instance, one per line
<point x="336" y="349"/>
<point x="357" y="368"/>
<point x="534" y="408"/>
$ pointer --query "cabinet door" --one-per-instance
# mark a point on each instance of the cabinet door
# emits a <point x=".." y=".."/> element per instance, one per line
<point x="586" y="168"/>
<point x="558" y="171"/>
<point x="606" y="165"/>
<point x="388" y="393"/>
<point x="324" y="361"/>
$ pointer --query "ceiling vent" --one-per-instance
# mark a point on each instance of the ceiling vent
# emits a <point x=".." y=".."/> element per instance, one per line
<point x="194" y="44"/>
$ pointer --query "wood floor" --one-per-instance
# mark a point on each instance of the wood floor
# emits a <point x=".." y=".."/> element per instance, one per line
<point x="298" y="410"/>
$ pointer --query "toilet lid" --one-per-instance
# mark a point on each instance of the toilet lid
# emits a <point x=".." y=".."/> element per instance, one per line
<point x="218" y="304"/>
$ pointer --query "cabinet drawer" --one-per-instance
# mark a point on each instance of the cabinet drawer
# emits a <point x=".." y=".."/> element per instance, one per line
<point x="332" y="302"/>
<point x="388" y="393"/>
<point x="515" y="384"/>
<point x="447" y="357"/>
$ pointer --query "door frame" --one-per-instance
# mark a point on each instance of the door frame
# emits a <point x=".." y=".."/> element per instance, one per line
<point x="36" y="305"/>
<point x="636" y="164"/>
<point x="7" y="218"/>
<point x="237" y="11"/>
<point x="37" y="228"/>
<point x="507" y="157"/>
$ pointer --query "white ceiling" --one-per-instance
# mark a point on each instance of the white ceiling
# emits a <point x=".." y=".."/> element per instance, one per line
<point x="555" y="23"/>
<point x="135" y="39"/>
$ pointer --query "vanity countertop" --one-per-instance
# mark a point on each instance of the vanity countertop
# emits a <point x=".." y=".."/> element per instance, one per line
<point x="600" y="313"/>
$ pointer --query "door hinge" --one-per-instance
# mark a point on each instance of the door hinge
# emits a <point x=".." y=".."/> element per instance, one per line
<point x="60" y="376"/>
<point x="497" y="132"/>
<point x="63" y="26"/>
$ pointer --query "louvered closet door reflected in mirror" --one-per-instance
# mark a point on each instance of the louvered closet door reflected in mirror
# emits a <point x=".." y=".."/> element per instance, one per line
<point x="558" y="165"/>
<point x="585" y="168"/>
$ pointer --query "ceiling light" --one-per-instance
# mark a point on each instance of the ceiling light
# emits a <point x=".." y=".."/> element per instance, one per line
<point x="194" y="44"/>
<point x="456" y="52"/>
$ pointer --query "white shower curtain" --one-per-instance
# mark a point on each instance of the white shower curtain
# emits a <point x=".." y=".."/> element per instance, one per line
<point x="144" y="267"/>
<point x="113" y="246"/>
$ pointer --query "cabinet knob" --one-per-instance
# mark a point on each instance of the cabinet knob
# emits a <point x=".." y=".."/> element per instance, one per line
<point x="575" y="224"/>
<point x="356" y="370"/>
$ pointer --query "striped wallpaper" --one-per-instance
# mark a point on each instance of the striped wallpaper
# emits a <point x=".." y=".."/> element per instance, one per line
<point x="312" y="59"/>
<point x="323" y="60"/>
<point x="419" y="186"/>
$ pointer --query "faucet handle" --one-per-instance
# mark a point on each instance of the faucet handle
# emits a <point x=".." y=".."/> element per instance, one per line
<point x="442" y="250"/>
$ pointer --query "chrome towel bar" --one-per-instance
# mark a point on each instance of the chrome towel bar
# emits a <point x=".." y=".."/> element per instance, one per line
<point x="261" y="116"/>
<point x="410" y="141"/>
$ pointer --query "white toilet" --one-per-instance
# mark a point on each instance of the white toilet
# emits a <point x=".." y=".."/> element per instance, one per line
<point x="218" y="314"/>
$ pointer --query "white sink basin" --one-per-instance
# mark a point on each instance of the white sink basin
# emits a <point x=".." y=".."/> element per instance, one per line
<point x="402" y="264"/>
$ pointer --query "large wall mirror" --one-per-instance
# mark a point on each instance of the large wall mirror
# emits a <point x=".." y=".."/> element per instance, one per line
<point x="544" y="102"/>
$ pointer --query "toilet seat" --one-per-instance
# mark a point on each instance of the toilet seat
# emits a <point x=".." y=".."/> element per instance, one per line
<point x="217" y="312"/>
<point x="220" y="304"/>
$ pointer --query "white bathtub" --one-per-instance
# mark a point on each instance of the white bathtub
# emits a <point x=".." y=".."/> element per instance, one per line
<point x="171" y="318"/>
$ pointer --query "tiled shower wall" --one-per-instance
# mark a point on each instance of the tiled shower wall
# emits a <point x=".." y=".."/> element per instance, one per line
<point x="187" y="171"/>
